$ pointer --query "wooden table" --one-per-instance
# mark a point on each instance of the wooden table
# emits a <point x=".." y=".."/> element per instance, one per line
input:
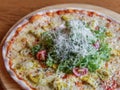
<point x="12" y="10"/>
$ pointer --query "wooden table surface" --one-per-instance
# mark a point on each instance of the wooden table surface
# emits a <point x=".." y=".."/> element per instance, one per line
<point x="12" y="10"/>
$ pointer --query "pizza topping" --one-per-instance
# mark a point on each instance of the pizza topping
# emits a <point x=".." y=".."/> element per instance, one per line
<point x="35" y="78"/>
<point x="116" y="52"/>
<point x="71" y="49"/>
<point x="79" y="84"/>
<point x="59" y="84"/>
<point x="110" y="85"/>
<point x="67" y="17"/>
<point x="73" y="45"/>
<point x="109" y="34"/>
<point x="35" y="49"/>
<point x="116" y="77"/>
<point x="97" y="28"/>
<point x="96" y="45"/>
<point x="41" y="55"/>
<point x="25" y="52"/>
<point x="103" y="74"/>
<point x="19" y="67"/>
<point x="80" y="72"/>
<point x="36" y="33"/>
<point x="88" y="79"/>
<point x="94" y="25"/>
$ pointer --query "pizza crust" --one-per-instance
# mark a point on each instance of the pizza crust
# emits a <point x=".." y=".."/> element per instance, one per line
<point x="18" y="29"/>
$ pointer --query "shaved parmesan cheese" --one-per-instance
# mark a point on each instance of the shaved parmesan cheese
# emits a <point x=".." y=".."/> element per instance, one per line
<point x="75" y="40"/>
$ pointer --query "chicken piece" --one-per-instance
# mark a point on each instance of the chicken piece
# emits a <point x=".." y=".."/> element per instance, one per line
<point x="89" y="80"/>
<point x="103" y="74"/>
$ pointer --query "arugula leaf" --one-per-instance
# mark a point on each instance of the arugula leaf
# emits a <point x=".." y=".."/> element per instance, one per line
<point x="71" y="45"/>
<point x="35" y="49"/>
<point x="100" y="33"/>
<point x="104" y="51"/>
<point x="47" y="39"/>
<point x="49" y="61"/>
<point x="65" y="66"/>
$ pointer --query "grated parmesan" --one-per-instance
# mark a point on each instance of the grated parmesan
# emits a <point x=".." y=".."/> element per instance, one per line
<point x="77" y="40"/>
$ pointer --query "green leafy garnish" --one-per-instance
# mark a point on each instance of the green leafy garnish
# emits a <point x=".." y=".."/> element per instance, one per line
<point x="73" y="46"/>
<point x="100" y="34"/>
<point x="35" y="49"/>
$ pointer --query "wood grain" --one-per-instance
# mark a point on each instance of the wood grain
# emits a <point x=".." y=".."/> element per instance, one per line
<point x="12" y="10"/>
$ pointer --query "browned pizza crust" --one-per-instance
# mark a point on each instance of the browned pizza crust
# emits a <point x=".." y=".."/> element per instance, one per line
<point x="33" y="19"/>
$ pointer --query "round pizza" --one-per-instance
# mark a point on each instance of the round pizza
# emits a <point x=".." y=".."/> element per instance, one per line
<point x="65" y="49"/>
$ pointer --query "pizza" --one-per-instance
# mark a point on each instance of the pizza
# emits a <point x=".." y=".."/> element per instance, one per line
<point x="65" y="49"/>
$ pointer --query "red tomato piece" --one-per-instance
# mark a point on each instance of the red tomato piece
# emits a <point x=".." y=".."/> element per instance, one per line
<point x="80" y="72"/>
<point x="97" y="45"/>
<point x="97" y="28"/>
<point x="41" y="55"/>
